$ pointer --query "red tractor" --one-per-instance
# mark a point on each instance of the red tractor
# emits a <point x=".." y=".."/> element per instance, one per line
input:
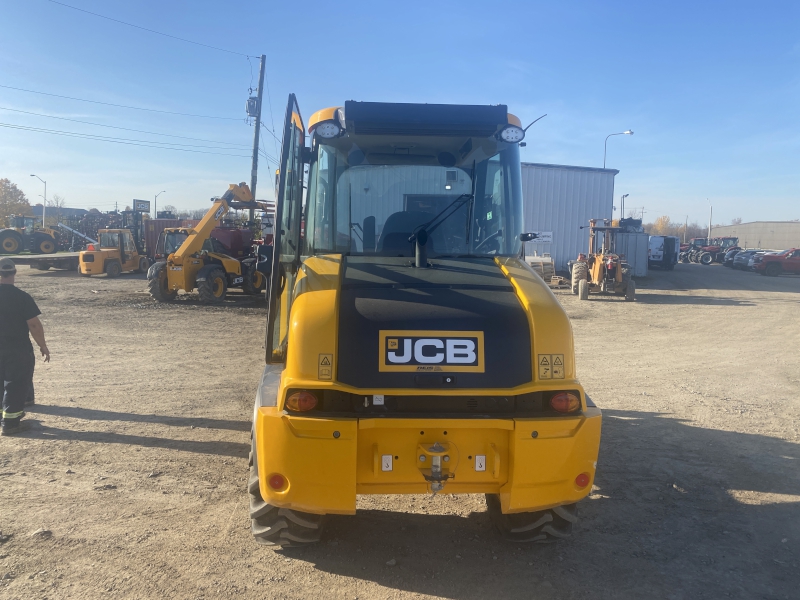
<point x="703" y="251"/>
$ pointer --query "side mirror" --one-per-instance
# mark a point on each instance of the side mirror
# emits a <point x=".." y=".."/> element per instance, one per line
<point x="527" y="237"/>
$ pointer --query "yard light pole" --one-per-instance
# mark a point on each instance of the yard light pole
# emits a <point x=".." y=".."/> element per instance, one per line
<point x="44" y="206"/>
<point x="605" y="149"/>
<point x="622" y="209"/>
<point x="155" y="202"/>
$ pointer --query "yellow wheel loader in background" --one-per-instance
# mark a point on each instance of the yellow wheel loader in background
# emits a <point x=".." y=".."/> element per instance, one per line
<point x="192" y="262"/>
<point x="24" y="234"/>
<point x="410" y="349"/>
<point x="602" y="270"/>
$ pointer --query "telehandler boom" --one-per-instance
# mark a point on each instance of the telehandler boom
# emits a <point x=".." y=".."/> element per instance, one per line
<point x="191" y="266"/>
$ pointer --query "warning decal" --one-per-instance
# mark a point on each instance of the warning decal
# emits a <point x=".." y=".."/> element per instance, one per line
<point x="325" y="367"/>
<point x="551" y="366"/>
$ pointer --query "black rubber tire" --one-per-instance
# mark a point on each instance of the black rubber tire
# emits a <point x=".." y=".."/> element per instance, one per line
<point x="281" y="527"/>
<point x="213" y="287"/>
<point x="41" y="266"/>
<point x="249" y="276"/>
<point x="773" y="270"/>
<point x="113" y="268"/>
<point x="580" y="271"/>
<point x="540" y="526"/>
<point x="10" y="242"/>
<point x="706" y="258"/>
<point x="144" y="265"/>
<point x="630" y="291"/>
<point x="157" y="283"/>
<point x="44" y="244"/>
<point x="583" y="289"/>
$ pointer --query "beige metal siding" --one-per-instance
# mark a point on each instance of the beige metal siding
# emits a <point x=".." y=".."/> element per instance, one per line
<point x="770" y="235"/>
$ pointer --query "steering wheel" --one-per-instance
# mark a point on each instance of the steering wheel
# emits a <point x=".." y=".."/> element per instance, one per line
<point x="492" y="237"/>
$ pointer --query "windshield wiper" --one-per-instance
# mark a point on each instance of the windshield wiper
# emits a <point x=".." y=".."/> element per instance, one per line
<point x="421" y="232"/>
<point x="433" y="224"/>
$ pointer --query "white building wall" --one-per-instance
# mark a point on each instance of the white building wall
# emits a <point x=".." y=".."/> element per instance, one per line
<point x="562" y="199"/>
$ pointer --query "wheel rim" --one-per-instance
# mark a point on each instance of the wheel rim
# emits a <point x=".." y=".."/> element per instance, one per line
<point x="10" y="244"/>
<point x="217" y="287"/>
<point x="47" y="247"/>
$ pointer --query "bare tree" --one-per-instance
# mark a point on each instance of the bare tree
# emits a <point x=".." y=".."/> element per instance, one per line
<point x="12" y="201"/>
<point x="736" y="221"/>
<point x="55" y="206"/>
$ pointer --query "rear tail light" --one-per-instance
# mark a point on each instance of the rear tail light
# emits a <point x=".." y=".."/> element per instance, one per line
<point x="277" y="481"/>
<point x="582" y="480"/>
<point x="565" y="402"/>
<point x="301" y="401"/>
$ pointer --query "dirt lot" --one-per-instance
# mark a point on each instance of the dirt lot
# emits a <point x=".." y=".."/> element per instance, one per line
<point x="131" y="482"/>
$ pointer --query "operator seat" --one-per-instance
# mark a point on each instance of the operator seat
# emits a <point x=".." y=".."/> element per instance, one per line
<point x="396" y="231"/>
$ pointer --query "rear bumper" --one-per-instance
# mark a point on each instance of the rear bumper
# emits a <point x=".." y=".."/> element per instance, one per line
<point x="531" y="463"/>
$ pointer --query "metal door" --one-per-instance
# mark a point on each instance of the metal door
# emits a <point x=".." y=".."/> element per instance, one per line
<point x="286" y="241"/>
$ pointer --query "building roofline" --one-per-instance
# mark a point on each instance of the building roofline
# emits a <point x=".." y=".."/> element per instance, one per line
<point x="570" y="167"/>
<point x="753" y="223"/>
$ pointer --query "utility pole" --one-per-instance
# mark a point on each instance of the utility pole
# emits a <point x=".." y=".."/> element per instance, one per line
<point x="685" y="227"/>
<point x="254" y="170"/>
<point x="710" y="213"/>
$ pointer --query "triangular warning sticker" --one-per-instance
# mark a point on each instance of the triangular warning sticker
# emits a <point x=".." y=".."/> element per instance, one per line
<point x="544" y="361"/>
<point x="557" y="361"/>
<point x="325" y="362"/>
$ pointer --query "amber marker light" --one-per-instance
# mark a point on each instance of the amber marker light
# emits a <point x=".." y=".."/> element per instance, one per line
<point x="301" y="401"/>
<point x="565" y="402"/>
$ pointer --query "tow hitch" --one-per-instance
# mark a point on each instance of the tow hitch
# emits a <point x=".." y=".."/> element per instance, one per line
<point x="443" y="460"/>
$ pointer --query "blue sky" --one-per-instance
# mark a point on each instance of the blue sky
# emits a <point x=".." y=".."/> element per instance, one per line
<point x="711" y="90"/>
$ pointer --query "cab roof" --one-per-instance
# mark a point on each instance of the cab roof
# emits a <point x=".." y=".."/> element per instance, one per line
<point x="387" y="118"/>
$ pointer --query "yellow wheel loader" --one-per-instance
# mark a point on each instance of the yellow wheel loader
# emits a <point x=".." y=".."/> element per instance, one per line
<point x="409" y="348"/>
<point x="24" y="234"/>
<point x="195" y="262"/>
<point x="602" y="271"/>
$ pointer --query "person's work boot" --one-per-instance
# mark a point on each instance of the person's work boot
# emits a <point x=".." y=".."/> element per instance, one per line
<point x="12" y="426"/>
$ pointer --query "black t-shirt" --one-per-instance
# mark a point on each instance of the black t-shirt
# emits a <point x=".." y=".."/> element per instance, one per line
<point x="16" y="307"/>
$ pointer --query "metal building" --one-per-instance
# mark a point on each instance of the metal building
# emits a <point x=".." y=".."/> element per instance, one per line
<point x="769" y="235"/>
<point x="562" y="199"/>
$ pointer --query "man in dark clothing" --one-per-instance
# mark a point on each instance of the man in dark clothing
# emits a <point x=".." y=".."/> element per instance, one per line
<point x="19" y="316"/>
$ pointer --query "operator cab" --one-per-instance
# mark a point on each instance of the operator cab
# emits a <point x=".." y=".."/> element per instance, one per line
<point x="27" y="223"/>
<point x="380" y="173"/>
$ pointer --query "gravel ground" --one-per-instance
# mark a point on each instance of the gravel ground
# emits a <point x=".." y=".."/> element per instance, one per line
<point x="131" y="482"/>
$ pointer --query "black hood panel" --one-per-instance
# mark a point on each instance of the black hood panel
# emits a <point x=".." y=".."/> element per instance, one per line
<point x="470" y="295"/>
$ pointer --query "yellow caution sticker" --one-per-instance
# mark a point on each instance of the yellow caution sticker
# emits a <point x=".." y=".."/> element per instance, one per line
<point x="325" y="370"/>
<point x="551" y="366"/>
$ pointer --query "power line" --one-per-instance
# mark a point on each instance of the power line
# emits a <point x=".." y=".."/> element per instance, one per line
<point x="122" y="128"/>
<point x="174" y="37"/>
<point x="143" y="143"/>
<point x="166" y="112"/>
<point x="269" y="132"/>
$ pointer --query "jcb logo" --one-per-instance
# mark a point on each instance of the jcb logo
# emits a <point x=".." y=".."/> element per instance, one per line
<point x="425" y="351"/>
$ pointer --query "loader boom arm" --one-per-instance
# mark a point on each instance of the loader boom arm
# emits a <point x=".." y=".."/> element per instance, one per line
<point x="201" y="232"/>
<point x="237" y="196"/>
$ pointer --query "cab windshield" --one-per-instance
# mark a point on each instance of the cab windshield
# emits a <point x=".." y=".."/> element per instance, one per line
<point x="367" y="196"/>
<point x="109" y="240"/>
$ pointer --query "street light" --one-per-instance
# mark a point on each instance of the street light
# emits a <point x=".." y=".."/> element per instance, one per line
<point x="605" y="149"/>
<point x="622" y="203"/>
<point x="44" y="206"/>
<point x="155" y="208"/>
